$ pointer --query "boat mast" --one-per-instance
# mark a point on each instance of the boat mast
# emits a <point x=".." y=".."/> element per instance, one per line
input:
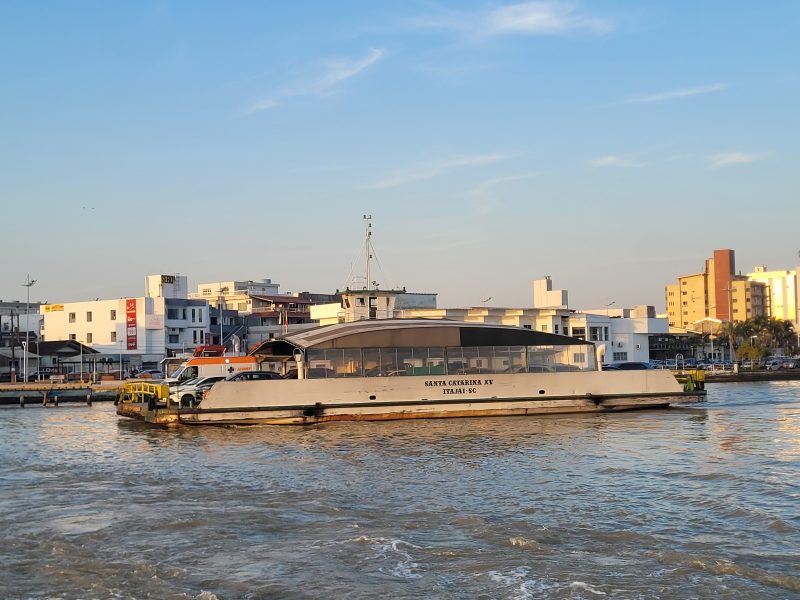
<point x="368" y="246"/>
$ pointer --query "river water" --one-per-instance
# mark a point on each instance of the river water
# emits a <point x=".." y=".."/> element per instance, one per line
<point x="683" y="503"/>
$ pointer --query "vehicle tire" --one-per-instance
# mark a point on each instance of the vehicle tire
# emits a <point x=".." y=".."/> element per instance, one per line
<point x="187" y="400"/>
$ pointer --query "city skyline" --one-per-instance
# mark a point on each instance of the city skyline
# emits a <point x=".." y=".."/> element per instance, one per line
<point x="610" y="145"/>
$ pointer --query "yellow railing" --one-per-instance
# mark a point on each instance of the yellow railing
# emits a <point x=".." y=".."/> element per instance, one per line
<point x="140" y="391"/>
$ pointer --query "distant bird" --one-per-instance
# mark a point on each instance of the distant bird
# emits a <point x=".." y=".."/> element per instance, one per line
<point x="486" y="300"/>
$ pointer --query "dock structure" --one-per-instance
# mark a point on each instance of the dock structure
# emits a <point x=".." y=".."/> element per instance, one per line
<point x="48" y="393"/>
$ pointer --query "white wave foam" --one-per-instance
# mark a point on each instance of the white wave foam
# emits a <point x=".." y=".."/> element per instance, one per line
<point x="520" y="586"/>
<point x="390" y="550"/>
<point x="580" y="585"/>
<point x="509" y="578"/>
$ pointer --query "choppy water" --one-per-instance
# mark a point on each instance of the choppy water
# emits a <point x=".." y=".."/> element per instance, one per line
<point x="685" y="503"/>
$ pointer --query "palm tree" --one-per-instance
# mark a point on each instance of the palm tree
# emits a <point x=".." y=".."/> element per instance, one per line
<point x="728" y="335"/>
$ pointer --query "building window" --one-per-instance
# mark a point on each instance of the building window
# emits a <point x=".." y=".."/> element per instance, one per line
<point x="555" y="328"/>
<point x="194" y="335"/>
<point x="598" y="334"/>
<point x="200" y="316"/>
<point x="193" y="316"/>
<point x="566" y="330"/>
<point x="206" y="291"/>
<point x="173" y="339"/>
<point x="89" y="316"/>
<point x="73" y="337"/>
<point x="71" y="318"/>
<point x="172" y="313"/>
<point x="579" y="357"/>
<point x="544" y="327"/>
<point x="620" y="356"/>
<point x="88" y="338"/>
<point x="113" y="315"/>
<point x="527" y="326"/>
<point x="113" y="336"/>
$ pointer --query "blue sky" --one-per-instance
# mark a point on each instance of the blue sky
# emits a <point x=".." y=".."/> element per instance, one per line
<point x="612" y="145"/>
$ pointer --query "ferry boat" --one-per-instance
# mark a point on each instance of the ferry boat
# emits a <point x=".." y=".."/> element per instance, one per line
<point x="417" y="368"/>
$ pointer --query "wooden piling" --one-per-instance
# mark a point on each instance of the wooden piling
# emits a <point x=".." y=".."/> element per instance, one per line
<point x="22" y="401"/>
<point x="55" y="400"/>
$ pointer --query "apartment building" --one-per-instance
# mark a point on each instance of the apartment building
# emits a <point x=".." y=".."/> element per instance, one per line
<point x="717" y="292"/>
<point x="145" y="329"/>
<point x="783" y="294"/>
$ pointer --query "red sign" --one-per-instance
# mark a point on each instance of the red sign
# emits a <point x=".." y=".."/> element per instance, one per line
<point x="130" y="322"/>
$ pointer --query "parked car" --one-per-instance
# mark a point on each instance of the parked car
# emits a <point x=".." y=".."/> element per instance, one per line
<point x="313" y="373"/>
<point x="773" y="365"/>
<point x="190" y="393"/>
<point x="630" y="366"/>
<point x="789" y="363"/>
<point x="253" y="376"/>
<point x="151" y="374"/>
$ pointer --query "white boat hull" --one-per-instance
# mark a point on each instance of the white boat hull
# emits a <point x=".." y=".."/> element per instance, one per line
<point x="447" y="396"/>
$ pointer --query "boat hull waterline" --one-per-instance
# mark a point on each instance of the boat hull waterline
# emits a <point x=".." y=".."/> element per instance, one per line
<point x="303" y="402"/>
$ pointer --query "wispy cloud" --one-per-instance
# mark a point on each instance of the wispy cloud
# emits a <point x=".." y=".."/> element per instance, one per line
<point x="542" y="18"/>
<point x="487" y="186"/>
<point x="615" y="161"/>
<point x="726" y="159"/>
<point x="546" y="17"/>
<point x="431" y="171"/>
<point x="678" y="94"/>
<point x="335" y="73"/>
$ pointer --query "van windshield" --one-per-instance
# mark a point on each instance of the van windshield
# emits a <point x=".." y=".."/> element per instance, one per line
<point x="185" y="373"/>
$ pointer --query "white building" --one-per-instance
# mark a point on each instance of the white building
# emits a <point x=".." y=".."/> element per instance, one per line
<point x="626" y="339"/>
<point x="235" y="295"/>
<point x="145" y="329"/>
<point x="544" y="296"/>
<point x="783" y="295"/>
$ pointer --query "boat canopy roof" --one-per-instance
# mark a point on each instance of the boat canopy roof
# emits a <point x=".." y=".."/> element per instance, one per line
<point x="411" y="333"/>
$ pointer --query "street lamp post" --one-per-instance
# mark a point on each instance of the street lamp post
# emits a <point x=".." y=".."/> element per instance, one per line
<point x="28" y="283"/>
<point x="729" y="289"/>
<point x="711" y="339"/>
<point x="81" y="345"/>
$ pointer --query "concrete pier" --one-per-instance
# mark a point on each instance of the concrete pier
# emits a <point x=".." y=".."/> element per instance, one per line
<point x="49" y="394"/>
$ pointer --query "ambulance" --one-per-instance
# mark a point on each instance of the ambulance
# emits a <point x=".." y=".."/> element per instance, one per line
<point x="210" y="361"/>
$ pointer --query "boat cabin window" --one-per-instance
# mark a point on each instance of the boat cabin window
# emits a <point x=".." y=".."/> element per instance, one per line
<point x="397" y="362"/>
